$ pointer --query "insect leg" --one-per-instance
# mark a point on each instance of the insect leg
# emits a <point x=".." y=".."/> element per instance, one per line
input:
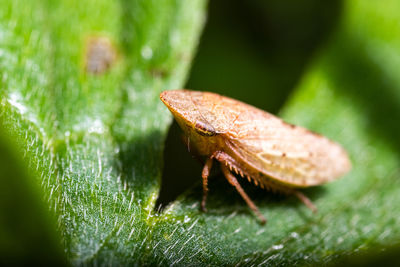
<point x="204" y="175"/>
<point x="232" y="180"/>
<point x="306" y="201"/>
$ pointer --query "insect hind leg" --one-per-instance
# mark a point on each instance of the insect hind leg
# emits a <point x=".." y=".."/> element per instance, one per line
<point x="233" y="181"/>
<point x="306" y="201"/>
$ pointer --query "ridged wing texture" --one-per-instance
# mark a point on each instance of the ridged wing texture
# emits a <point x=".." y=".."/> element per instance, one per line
<point x="288" y="153"/>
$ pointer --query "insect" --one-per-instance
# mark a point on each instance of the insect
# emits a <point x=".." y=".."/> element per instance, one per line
<point x="254" y="144"/>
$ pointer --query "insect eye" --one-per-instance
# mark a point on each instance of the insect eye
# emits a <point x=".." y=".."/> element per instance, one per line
<point x="204" y="129"/>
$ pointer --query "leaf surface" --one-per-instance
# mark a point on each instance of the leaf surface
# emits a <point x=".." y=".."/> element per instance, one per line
<point x="95" y="141"/>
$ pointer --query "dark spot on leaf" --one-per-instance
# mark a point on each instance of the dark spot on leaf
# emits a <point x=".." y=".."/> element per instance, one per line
<point x="100" y="55"/>
<point x="159" y="73"/>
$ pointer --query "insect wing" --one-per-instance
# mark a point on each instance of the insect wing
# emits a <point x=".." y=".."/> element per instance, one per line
<point x="291" y="154"/>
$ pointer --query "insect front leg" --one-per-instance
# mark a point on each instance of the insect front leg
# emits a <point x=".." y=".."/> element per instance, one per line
<point x="205" y="173"/>
<point x="233" y="181"/>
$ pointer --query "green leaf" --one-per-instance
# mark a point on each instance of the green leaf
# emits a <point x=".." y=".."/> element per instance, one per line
<point x="27" y="232"/>
<point x="95" y="141"/>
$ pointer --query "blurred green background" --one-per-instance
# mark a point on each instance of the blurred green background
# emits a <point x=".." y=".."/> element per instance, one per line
<point x="257" y="51"/>
<point x="91" y="173"/>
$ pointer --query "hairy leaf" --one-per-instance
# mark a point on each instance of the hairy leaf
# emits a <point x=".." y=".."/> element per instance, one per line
<point x="92" y="130"/>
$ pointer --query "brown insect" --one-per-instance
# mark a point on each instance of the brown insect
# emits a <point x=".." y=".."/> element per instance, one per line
<point x="273" y="154"/>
